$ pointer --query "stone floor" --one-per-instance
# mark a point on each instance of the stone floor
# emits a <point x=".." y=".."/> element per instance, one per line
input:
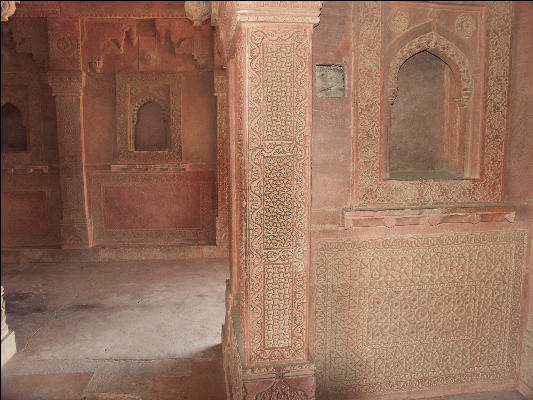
<point x="121" y="331"/>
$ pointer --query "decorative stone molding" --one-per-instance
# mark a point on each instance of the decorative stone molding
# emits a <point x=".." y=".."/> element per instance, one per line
<point x="8" y="9"/>
<point x="198" y="11"/>
<point x="427" y="216"/>
<point x="9" y="346"/>
<point x="440" y="46"/>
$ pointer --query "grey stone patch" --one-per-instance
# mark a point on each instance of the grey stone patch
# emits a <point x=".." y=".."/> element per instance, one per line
<point x="329" y="81"/>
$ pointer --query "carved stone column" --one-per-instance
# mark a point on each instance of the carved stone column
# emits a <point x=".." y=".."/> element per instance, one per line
<point x="266" y="334"/>
<point x="221" y="92"/>
<point x="67" y="87"/>
<point x="9" y="347"/>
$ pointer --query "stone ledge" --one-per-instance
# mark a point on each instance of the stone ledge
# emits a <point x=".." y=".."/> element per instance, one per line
<point x="123" y="253"/>
<point x="363" y="218"/>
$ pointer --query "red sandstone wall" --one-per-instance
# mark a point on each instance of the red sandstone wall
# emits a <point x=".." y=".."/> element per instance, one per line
<point x="332" y="121"/>
<point x="166" y="200"/>
<point x="31" y="204"/>
<point x="519" y="162"/>
<point x="362" y="278"/>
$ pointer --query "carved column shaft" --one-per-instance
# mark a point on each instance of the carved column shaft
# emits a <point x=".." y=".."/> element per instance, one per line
<point x="221" y="92"/>
<point x="267" y="324"/>
<point x="67" y="87"/>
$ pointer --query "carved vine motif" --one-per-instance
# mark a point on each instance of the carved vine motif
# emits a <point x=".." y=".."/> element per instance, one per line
<point x="433" y="42"/>
<point x="277" y="191"/>
<point x="370" y="189"/>
<point x="411" y="313"/>
<point x="281" y="390"/>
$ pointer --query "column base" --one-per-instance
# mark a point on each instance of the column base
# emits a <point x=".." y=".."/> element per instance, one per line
<point x="76" y="235"/>
<point x="294" y="382"/>
<point x="9" y="347"/>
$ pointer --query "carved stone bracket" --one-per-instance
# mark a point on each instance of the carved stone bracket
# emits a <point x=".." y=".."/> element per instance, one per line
<point x="8" y="9"/>
<point x="198" y="11"/>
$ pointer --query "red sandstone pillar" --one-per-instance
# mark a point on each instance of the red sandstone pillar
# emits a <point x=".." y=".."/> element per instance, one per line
<point x="67" y="81"/>
<point x="266" y="335"/>
<point x="222" y="222"/>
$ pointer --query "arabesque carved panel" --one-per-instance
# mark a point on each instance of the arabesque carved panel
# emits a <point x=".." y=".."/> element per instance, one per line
<point x="277" y="164"/>
<point x="412" y="313"/>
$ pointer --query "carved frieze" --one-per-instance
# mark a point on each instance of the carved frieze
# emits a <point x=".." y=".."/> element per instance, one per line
<point x="133" y="91"/>
<point x="413" y="313"/>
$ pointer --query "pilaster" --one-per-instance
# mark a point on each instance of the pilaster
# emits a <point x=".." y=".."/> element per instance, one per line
<point x="67" y="82"/>
<point x="266" y="335"/>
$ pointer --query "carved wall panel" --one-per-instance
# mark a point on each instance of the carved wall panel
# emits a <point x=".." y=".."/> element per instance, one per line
<point x="404" y="30"/>
<point x="31" y="209"/>
<point x="135" y="90"/>
<point x="163" y="208"/>
<point x="418" y="312"/>
<point x="64" y="43"/>
<point x="23" y="90"/>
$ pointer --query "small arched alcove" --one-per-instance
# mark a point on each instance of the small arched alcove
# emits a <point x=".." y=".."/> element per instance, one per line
<point x="151" y="128"/>
<point x="430" y="88"/>
<point x="419" y="116"/>
<point x="14" y="134"/>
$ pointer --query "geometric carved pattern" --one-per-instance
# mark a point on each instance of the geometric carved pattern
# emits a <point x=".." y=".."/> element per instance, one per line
<point x="278" y="293"/>
<point x="133" y="91"/>
<point x="278" y="202"/>
<point x="276" y="192"/>
<point x="370" y="188"/>
<point x="411" y="313"/>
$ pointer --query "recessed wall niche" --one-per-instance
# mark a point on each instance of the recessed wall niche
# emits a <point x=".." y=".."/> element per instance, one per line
<point x="149" y="117"/>
<point x="14" y="137"/>
<point x="423" y="131"/>
<point x="151" y="128"/>
<point x="21" y="120"/>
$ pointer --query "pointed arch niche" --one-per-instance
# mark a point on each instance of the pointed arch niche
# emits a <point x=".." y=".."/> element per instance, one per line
<point x="428" y="112"/>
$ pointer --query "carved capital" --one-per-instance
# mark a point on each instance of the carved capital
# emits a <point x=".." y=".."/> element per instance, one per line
<point x="228" y="15"/>
<point x="8" y="9"/>
<point x="198" y="11"/>
<point x="66" y="83"/>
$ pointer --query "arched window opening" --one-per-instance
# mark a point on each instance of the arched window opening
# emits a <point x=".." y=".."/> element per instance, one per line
<point x="423" y="139"/>
<point x="14" y="136"/>
<point x="151" y="128"/>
